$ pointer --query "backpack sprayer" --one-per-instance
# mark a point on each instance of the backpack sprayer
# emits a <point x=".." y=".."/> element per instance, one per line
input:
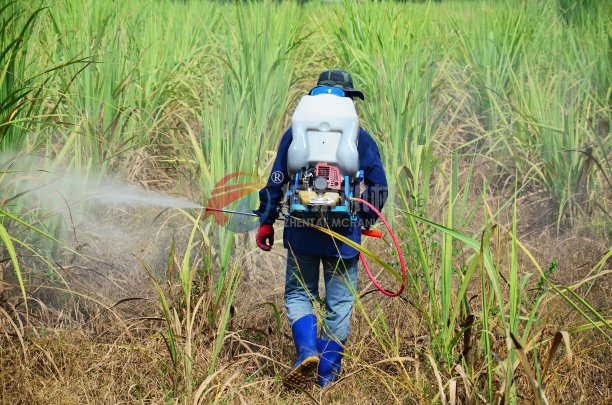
<point x="322" y="159"/>
<point x="323" y="165"/>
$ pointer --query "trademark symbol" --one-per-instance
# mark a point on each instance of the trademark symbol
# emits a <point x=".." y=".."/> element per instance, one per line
<point x="277" y="177"/>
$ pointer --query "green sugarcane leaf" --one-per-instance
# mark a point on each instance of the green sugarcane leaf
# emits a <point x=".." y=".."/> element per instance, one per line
<point x="8" y="244"/>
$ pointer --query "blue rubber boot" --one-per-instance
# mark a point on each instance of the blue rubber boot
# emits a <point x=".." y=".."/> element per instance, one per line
<point x="330" y="361"/>
<point x="305" y="338"/>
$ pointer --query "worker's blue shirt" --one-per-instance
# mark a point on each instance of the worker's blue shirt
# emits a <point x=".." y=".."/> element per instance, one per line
<point x="307" y="240"/>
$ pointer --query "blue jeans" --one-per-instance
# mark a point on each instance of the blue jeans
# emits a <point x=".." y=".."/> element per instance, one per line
<point x="301" y="291"/>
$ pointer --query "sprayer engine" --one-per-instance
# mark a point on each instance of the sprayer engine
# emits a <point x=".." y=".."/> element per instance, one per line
<point x="320" y="191"/>
<point x="322" y="185"/>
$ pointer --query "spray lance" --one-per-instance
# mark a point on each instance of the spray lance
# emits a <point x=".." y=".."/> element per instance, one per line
<point x="366" y="232"/>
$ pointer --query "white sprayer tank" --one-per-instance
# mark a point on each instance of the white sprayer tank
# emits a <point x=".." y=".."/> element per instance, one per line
<point x="325" y="129"/>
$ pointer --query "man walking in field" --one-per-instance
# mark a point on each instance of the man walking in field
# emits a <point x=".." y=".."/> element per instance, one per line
<point x="308" y="247"/>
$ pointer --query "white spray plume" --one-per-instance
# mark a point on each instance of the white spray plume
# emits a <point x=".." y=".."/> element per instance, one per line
<point x="107" y="221"/>
<point x="45" y="184"/>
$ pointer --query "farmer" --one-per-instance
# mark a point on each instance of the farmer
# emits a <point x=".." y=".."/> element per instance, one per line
<point x="309" y="247"/>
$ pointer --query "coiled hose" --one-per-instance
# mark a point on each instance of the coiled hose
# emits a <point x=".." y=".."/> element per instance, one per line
<point x="397" y="247"/>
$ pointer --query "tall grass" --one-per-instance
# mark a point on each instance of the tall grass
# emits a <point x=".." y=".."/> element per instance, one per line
<point x="397" y="63"/>
<point x="479" y="342"/>
<point x="461" y="97"/>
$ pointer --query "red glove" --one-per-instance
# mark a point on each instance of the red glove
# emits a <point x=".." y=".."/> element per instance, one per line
<point x="265" y="234"/>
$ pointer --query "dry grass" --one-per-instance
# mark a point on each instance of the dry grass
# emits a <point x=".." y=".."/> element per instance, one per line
<point x="101" y="359"/>
<point x="72" y="365"/>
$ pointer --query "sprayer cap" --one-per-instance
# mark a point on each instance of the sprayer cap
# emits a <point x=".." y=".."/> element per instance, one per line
<point x="327" y="90"/>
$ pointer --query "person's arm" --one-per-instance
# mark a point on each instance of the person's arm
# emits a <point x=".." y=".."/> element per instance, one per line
<point x="271" y="195"/>
<point x="374" y="178"/>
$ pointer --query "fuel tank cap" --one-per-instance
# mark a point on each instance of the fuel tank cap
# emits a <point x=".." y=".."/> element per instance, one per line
<point x="320" y="183"/>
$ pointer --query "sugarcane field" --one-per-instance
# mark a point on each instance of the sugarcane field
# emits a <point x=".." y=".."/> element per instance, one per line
<point x="295" y="202"/>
